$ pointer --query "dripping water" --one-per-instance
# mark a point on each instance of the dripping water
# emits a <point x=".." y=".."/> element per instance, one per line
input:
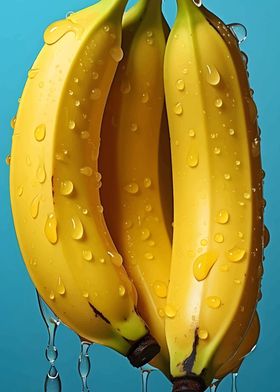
<point x="234" y="382"/>
<point x="239" y="31"/>
<point x="145" y="375"/>
<point x="214" y="386"/>
<point x="52" y="380"/>
<point x="84" y="365"/>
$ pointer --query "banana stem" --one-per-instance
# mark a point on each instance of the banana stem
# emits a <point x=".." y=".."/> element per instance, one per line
<point x="188" y="385"/>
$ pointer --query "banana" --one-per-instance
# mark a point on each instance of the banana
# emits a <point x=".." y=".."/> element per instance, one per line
<point x="247" y="346"/>
<point x="135" y="166"/>
<point x="218" y="236"/>
<point x="54" y="183"/>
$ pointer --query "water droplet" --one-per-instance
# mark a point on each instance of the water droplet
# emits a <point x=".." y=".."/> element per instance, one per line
<point x="128" y="224"/>
<point x="77" y="228"/>
<point x="132" y="188"/>
<point x="247" y="195"/>
<point x="147" y="182"/>
<point x="213" y="302"/>
<point x="148" y="208"/>
<point x="95" y="75"/>
<point x="145" y="234"/>
<point x="71" y="124"/>
<point x="180" y="84"/>
<point x="192" y="159"/>
<point x="145" y="97"/>
<point x="20" y="190"/>
<point x="217" y="151"/>
<point x="58" y="29"/>
<point x="66" y="187"/>
<point x="41" y="174"/>
<point x="122" y="290"/>
<point x="222" y="217"/>
<point x="77" y="103"/>
<point x="60" y="286"/>
<point x="149" y="256"/>
<point x="13" y="122"/>
<point x="192" y="133"/>
<point x="219" y="238"/>
<point x="266" y="237"/>
<point x="134" y="127"/>
<point x="219" y="103"/>
<point x="203" y="242"/>
<point x="95" y="94"/>
<point x="106" y="28"/>
<point x="87" y="255"/>
<point x="117" y="54"/>
<point x="33" y="72"/>
<point x="34" y="208"/>
<point x="231" y="131"/>
<point x="203" y="334"/>
<point x="51" y="296"/>
<point x="213" y="77"/>
<point x="170" y="311"/>
<point x="51" y="228"/>
<point x="227" y="176"/>
<point x="116" y="258"/>
<point x="40" y="132"/>
<point x="150" y="41"/>
<point x="160" y="289"/>
<point x="239" y="31"/>
<point x="125" y="87"/>
<point x="85" y="294"/>
<point x="86" y="171"/>
<point x="8" y="159"/>
<point x="85" y="135"/>
<point x="203" y="265"/>
<point x="235" y="254"/>
<point x="224" y="268"/>
<point x="178" y="109"/>
<point x="240" y="234"/>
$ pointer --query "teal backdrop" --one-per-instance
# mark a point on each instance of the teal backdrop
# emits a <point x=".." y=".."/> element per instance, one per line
<point x="22" y="334"/>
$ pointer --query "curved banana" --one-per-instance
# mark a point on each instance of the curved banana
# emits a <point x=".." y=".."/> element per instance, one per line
<point x="55" y="183"/>
<point x="247" y="346"/>
<point x="218" y="203"/>
<point x="135" y="166"/>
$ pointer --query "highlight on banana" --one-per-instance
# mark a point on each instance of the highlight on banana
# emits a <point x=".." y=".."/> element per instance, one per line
<point x="136" y="186"/>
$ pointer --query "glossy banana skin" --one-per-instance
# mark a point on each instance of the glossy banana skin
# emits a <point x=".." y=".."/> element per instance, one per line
<point x="135" y="166"/>
<point x="54" y="182"/>
<point x="218" y="196"/>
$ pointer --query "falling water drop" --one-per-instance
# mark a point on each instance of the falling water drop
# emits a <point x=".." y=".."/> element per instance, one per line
<point x="239" y="31"/>
<point x="234" y="382"/>
<point x="52" y="380"/>
<point x="84" y="365"/>
<point x="145" y="374"/>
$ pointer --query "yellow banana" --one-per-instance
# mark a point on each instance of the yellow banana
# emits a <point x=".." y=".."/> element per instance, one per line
<point x="55" y="183"/>
<point x="135" y="166"/>
<point x="247" y="345"/>
<point x="218" y="203"/>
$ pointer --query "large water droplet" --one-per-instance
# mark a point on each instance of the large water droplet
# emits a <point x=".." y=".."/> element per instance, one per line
<point x="84" y="365"/>
<point x="77" y="228"/>
<point x="222" y="217"/>
<point x="40" y="132"/>
<point x="203" y="334"/>
<point x="239" y="31"/>
<point x="66" y="187"/>
<point x="180" y="84"/>
<point x="87" y="255"/>
<point x="193" y="158"/>
<point x="58" y="29"/>
<point x="203" y="265"/>
<point x="116" y="258"/>
<point x="51" y="228"/>
<point x="235" y="254"/>
<point x="160" y="289"/>
<point x="86" y="171"/>
<point x="170" y="311"/>
<point x="132" y="188"/>
<point x="213" y="302"/>
<point x="178" y="109"/>
<point x="116" y="53"/>
<point x="213" y="77"/>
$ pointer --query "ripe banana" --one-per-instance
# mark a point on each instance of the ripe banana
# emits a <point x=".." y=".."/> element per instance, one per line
<point x="135" y="166"/>
<point x="218" y="203"/>
<point x="247" y="345"/>
<point x="55" y="184"/>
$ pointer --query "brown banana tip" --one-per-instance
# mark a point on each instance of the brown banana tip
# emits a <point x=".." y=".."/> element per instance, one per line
<point x="188" y="384"/>
<point x="143" y="351"/>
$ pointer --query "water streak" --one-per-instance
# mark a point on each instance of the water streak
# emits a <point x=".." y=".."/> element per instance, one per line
<point x="234" y="382"/>
<point x="52" y="380"/>
<point x="84" y="365"/>
<point x="145" y="375"/>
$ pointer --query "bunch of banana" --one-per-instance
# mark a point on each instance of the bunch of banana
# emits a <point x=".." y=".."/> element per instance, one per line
<point x="140" y="262"/>
<point x="218" y="203"/>
<point x="137" y="187"/>
<point x="55" y="183"/>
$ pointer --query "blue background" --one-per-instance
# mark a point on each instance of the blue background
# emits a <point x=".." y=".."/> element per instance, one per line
<point x="22" y="333"/>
